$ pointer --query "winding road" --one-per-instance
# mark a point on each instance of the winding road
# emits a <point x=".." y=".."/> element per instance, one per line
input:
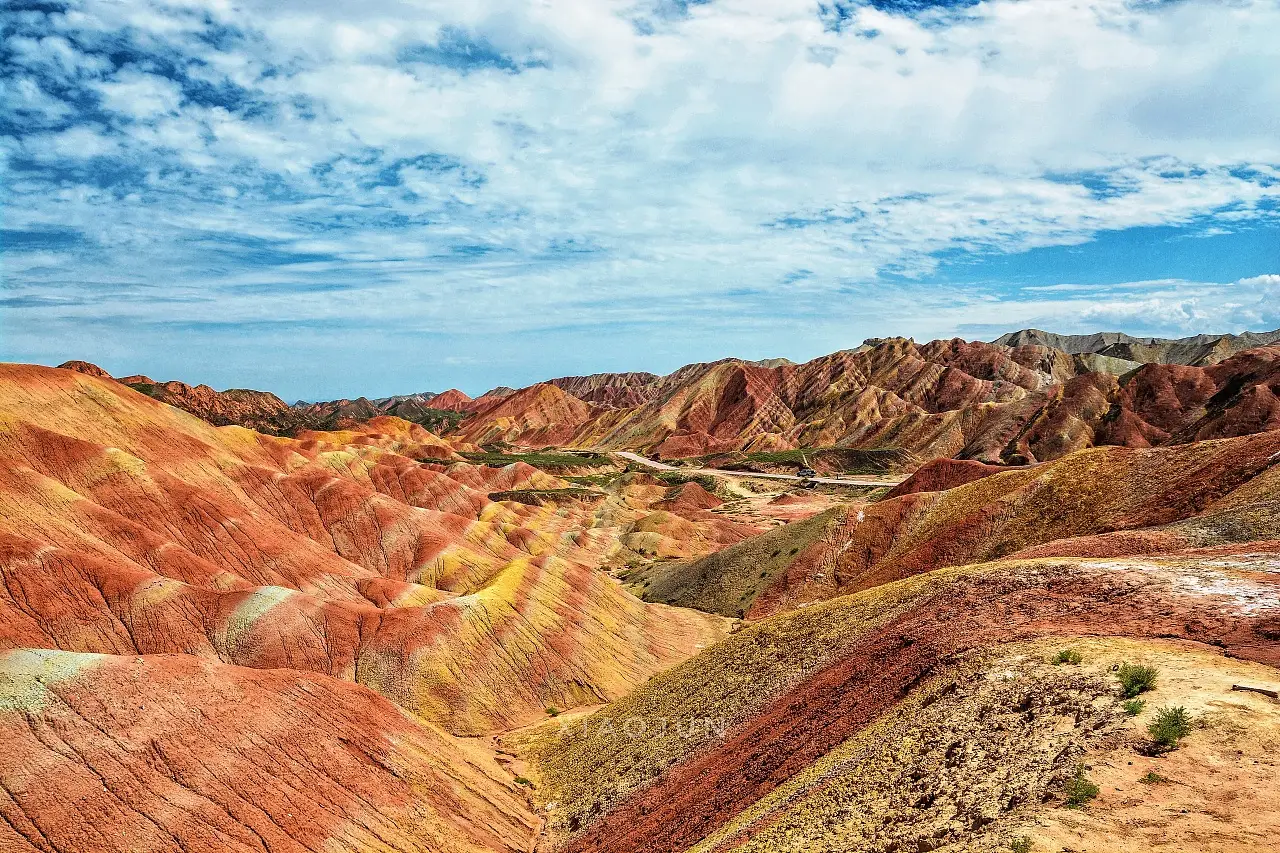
<point x="831" y="481"/>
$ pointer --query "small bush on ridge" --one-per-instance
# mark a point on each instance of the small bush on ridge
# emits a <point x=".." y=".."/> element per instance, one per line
<point x="1136" y="678"/>
<point x="1079" y="789"/>
<point x="1171" y="725"/>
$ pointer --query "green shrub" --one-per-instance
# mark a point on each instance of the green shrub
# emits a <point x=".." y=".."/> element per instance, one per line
<point x="1136" y="678"/>
<point x="1020" y="845"/>
<point x="1153" y="778"/>
<point x="1079" y="789"/>
<point x="553" y="712"/>
<point x="538" y="459"/>
<point x="1134" y="707"/>
<point x="1070" y="656"/>
<point x="520" y="780"/>
<point x="1171" y="725"/>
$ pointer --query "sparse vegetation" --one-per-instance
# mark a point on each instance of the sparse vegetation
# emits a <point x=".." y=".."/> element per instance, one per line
<point x="553" y="711"/>
<point x="1079" y="790"/>
<point x="1070" y="656"/>
<point x="439" y="421"/>
<point x="538" y="497"/>
<point x="147" y="388"/>
<point x="1134" y="707"/>
<point x="520" y="780"/>
<point x="1021" y="845"/>
<point x="1153" y="778"/>
<point x="1136" y="678"/>
<point x="841" y="459"/>
<point x="1172" y="724"/>
<point x="606" y="479"/>
<point x="675" y="478"/>
<point x="735" y="678"/>
<point x="728" y="581"/>
<point x="548" y="461"/>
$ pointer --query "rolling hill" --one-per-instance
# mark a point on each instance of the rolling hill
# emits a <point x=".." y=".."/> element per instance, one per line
<point x="987" y="402"/>
<point x="377" y="638"/>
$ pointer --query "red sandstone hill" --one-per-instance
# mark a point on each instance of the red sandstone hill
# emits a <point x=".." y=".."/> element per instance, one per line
<point x="1105" y="501"/>
<point x="987" y="402"/>
<point x="106" y="753"/>
<point x="941" y="474"/>
<point x="267" y="413"/>
<point x="129" y="526"/>
<point x="926" y="714"/>
<point x="898" y="684"/>
<point x="257" y="410"/>
<point x="995" y="403"/>
<point x="216" y="639"/>
<point x="452" y="400"/>
<point x="218" y="625"/>
<point x="537" y="416"/>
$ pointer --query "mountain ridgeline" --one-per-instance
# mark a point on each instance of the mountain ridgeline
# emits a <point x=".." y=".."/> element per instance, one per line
<point x="1029" y="396"/>
<point x="383" y="637"/>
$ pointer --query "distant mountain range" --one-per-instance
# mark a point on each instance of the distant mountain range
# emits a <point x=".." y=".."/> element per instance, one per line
<point x="1198" y="350"/>
<point x="1028" y="396"/>
<point x="267" y="413"/>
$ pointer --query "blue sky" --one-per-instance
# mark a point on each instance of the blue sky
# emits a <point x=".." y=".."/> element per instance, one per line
<point x="326" y="199"/>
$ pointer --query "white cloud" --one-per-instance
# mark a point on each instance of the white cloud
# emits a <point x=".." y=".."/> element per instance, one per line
<point x="140" y="95"/>
<point x="612" y="173"/>
<point x="80" y="142"/>
<point x="1169" y="307"/>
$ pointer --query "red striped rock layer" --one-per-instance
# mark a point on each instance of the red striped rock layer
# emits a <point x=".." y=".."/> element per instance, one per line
<point x="1102" y="501"/>
<point x="132" y="527"/>
<point x="819" y="676"/>
<point x="946" y="398"/>
<point x="173" y="752"/>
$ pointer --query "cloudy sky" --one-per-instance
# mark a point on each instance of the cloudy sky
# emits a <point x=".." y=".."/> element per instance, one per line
<point x="331" y="198"/>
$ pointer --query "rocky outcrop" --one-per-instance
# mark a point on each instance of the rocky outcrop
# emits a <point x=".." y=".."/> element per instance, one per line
<point x="452" y="400"/>
<point x="86" y="368"/>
